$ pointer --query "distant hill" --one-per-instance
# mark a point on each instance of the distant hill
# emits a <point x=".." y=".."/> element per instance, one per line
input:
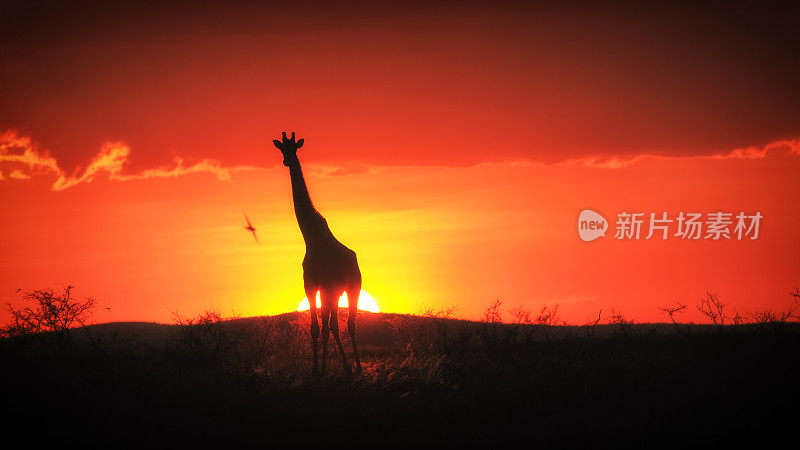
<point x="375" y="331"/>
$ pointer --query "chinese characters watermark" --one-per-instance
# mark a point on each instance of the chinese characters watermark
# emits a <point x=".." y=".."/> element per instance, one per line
<point x="718" y="225"/>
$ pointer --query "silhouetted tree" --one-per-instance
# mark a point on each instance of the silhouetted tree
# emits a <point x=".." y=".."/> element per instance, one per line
<point x="522" y="324"/>
<point x="548" y="318"/>
<point x="672" y="311"/>
<point x="490" y="327"/>
<point x="50" y="312"/>
<point x="737" y="318"/>
<point x="713" y="308"/>
<point x="440" y="318"/>
<point x="591" y="326"/>
<point x="769" y="316"/>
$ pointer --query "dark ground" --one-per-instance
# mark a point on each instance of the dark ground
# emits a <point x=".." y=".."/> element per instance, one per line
<point x="248" y="381"/>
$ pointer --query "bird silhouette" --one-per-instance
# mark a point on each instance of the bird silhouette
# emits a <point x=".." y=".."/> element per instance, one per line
<point x="251" y="228"/>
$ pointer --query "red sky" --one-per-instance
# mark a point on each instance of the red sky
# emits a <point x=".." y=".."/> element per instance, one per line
<point x="452" y="146"/>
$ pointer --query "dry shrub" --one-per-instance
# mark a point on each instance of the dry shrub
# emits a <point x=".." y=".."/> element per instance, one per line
<point x="51" y="314"/>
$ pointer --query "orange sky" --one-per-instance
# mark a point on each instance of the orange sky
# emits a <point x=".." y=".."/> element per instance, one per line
<point x="451" y="148"/>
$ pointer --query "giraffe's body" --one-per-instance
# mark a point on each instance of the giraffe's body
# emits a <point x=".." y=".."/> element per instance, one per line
<point x="328" y="266"/>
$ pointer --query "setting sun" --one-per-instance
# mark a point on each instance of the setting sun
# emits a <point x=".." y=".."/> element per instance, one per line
<point x="365" y="302"/>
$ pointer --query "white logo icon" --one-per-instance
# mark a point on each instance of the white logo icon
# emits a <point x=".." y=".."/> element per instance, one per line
<point x="591" y="225"/>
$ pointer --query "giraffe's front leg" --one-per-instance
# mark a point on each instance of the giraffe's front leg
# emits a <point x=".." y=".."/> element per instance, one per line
<point x="326" y="313"/>
<point x="311" y="295"/>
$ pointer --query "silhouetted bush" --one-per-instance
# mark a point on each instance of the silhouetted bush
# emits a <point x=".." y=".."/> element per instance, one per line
<point x="769" y="317"/>
<point x="713" y="308"/>
<point x="51" y="314"/>
<point x="620" y="325"/>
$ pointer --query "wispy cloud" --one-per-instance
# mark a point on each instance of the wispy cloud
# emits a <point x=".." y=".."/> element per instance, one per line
<point x="790" y="146"/>
<point x="327" y="170"/>
<point x="22" y="151"/>
<point x="19" y="175"/>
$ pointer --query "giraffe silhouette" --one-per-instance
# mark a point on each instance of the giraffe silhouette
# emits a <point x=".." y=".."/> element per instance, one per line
<point x="329" y="267"/>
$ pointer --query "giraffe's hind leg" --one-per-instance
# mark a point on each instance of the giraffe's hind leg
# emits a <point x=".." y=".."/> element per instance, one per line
<point x="353" y="293"/>
<point x="333" y="298"/>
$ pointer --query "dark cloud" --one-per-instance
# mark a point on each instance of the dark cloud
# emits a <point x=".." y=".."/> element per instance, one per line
<point x="380" y="84"/>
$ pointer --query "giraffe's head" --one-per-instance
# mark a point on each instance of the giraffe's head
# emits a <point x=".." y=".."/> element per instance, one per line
<point x="289" y="149"/>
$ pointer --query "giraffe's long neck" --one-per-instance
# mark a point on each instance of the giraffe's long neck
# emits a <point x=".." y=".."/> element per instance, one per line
<point x="302" y="201"/>
<point x="312" y="225"/>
